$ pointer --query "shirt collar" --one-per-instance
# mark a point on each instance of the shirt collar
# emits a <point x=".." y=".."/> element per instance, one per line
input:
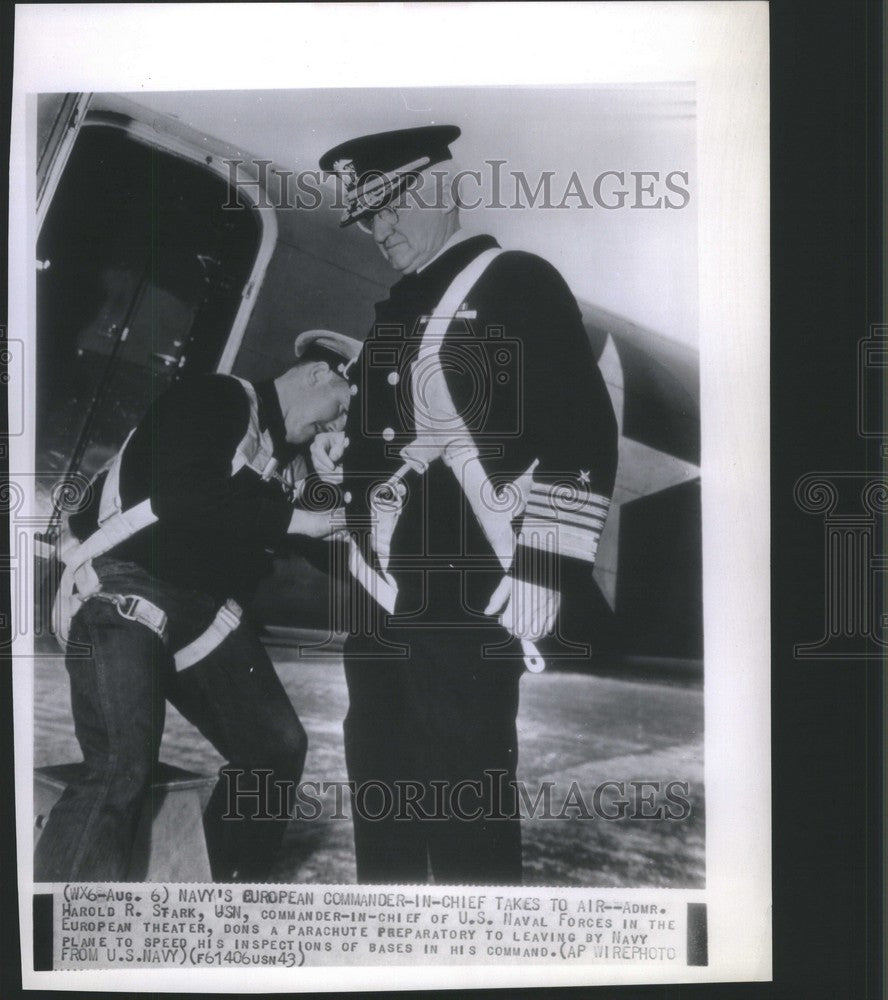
<point x="271" y="418"/>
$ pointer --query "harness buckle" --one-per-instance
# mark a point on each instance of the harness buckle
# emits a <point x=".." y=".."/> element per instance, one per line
<point x="137" y="609"/>
<point x="126" y="605"/>
<point x="230" y="614"/>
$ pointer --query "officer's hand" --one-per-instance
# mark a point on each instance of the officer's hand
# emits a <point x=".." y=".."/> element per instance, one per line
<point x="316" y="524"/>
<point x="326" y="455"/>
<point x="526" y="610"/>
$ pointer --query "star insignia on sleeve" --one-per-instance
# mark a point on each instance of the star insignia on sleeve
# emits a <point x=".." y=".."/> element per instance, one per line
<point x="583" y="477"/>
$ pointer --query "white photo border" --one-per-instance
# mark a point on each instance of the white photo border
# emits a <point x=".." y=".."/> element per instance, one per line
<point x="723" y="47"/>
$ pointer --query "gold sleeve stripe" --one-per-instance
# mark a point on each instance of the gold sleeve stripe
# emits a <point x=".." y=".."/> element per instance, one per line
<point x="578" y="542"/>
<point x="580" y="518"/>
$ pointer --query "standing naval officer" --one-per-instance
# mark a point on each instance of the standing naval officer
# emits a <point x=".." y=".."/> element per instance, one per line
<point x="179" y="531"/>
<point x="476" y="466"/>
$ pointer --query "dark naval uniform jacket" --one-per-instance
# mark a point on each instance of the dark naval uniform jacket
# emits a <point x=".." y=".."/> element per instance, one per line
<point x="216" y="529"/>
<point x="520" y="371"/>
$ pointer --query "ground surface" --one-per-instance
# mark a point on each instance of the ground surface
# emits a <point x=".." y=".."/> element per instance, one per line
<point x="572" y="728"/>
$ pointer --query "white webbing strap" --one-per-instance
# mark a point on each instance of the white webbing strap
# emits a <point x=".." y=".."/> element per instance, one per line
<point x="110" y="502"/>
<point x="419" y="453"/>
<point x="493" y="509"/>
<point x="440" y="423"/>
<point x="382" y="588"/>
<point x="456" y="294"/>
<point x="443" y="426"/>
<point x="118" y="528"/>
<point x="256" y="449"/>
<point x="79" y="580"/>
<point x="441" y="432"/>
<point x="139" y="609"/>
<point x="227" y="619"/>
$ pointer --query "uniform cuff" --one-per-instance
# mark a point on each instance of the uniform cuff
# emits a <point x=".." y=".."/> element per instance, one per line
<point x="563" y="520"/>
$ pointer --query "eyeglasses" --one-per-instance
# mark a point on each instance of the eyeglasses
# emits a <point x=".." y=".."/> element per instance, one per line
<point x="388" y="214"/>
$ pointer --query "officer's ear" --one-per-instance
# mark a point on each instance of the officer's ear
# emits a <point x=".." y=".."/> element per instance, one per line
<point x="318" y="373"/>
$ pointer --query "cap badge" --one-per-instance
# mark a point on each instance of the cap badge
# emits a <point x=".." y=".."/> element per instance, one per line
<point x="345" y="169"/>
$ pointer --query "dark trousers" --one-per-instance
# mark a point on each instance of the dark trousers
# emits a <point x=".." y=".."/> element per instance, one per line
<point x="432" y="736"/>
<point x="121" y="676"/>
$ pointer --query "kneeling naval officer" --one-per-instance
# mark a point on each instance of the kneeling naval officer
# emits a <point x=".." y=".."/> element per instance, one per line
<point x="180" y="529"/>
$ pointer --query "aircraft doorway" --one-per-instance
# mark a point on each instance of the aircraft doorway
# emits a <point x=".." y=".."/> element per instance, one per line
<point x="140" y="275"/>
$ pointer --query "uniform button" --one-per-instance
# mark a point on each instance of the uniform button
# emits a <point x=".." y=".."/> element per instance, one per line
<point x="353" y="389"/>
<point x="347" y="497"/>
<point x="393" y="378"/>
<point x="388" y="434"/>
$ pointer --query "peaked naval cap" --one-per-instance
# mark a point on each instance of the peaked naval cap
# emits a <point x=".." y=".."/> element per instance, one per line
<point x="337" y="349"/>
<point x="376" y="169"/>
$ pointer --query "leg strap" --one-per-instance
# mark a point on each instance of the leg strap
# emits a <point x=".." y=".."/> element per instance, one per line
<point x="141" y="610"/>
<point x="227" y="619"/>
<point x="138" y="609"/>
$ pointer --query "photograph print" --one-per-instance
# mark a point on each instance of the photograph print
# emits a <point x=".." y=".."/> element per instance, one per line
<point x="368" y="465"/>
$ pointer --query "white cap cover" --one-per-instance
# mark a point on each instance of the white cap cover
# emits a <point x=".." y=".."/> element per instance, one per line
<point x="340" y="344"/>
